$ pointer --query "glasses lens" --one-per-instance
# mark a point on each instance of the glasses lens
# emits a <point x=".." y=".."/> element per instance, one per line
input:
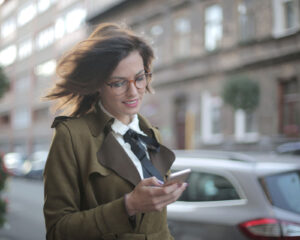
<point x="121" y="87"/>
<point x="141" y="81"/>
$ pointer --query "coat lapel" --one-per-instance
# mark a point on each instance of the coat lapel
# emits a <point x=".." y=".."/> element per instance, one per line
<point x="162" y="160"/>
<point x="111" y="155"/>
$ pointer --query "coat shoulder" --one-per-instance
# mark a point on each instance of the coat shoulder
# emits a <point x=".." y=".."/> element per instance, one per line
<point x="72" y="123"/>
<point x="59" y="120"/>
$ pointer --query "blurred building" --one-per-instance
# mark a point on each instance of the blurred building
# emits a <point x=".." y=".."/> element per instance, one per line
<point x="199" y="45"/>
<point x="33" y="35"/>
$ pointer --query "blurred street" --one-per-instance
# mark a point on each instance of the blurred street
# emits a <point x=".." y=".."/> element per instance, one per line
<point x="25" y="217"/>
<point x="226" y="78"/>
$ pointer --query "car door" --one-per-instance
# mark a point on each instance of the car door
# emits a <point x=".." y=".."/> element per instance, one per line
<point x="208" y="208"/>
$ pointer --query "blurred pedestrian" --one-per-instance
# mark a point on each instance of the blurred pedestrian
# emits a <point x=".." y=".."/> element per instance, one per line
<point x="105" y="170"/>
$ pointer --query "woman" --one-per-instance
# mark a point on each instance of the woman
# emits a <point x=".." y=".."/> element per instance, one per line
<point x="96" y="185"/>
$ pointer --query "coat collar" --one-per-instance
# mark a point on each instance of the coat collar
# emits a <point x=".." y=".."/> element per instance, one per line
<point x="111" y="154"/>
<point x="98" y="121"/>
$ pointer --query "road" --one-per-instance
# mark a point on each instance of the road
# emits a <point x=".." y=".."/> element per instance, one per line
<point x="25" y="217"/>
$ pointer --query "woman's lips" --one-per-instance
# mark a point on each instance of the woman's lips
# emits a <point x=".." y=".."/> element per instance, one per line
<point x="131" y="103"/>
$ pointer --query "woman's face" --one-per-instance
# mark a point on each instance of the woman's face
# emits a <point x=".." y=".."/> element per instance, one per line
<point x="124" y="106"/>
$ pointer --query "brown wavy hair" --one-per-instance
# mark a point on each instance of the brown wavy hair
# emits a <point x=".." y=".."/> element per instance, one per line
<point x="84" y="69"/>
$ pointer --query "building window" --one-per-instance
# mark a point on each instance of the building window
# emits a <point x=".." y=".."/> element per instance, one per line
<point x="156" y="32"/>
<point x="289" y="107"/>
<point x="43" y="5"/>
<point x="8" y="27"/>
<point x="45" y="38"/>
<point x="246" y="126"/>
<point x="211" y="119"/>
<point x="59" y="28"/>
<point x="180" y="106"/>
<point x="290" y="14"/>
<point x="246" y="20"/>
<point x="286" y="17"/>
<point x="8" y="55"/>
<point x="66" y="3"/>
<point x="74" y="19"/>
<point x="70" y="22"/>
<point x="182" y="36"/>
<point x="26" y="14"/>
<point x="213" y="27"/>
<point x="46" y="69"/>
<point x="25" y="49"/>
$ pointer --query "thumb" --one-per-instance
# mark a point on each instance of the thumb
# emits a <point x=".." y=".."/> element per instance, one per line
<point x="152" y="181"/>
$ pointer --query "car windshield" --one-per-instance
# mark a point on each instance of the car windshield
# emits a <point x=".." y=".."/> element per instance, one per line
<point x="284" y="190"/>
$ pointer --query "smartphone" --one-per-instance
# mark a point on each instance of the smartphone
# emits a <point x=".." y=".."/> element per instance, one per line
<point x="178" y="177"/>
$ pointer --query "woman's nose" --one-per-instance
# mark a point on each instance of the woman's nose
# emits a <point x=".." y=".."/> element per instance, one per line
<point x="132" y="88"/>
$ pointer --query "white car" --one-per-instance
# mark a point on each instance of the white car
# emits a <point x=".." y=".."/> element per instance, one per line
<point x="233" y="196"/>
<point x="15" y="163"/>
<point x="37" y="161"/>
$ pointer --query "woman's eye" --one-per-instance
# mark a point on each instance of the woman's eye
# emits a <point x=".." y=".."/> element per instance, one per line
<point x="140" y="78"/>
<point x="118" y="84"/>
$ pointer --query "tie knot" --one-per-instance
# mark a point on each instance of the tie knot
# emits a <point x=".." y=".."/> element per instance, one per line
<point x="130" y="134"/>
<point x="133" y="136"/>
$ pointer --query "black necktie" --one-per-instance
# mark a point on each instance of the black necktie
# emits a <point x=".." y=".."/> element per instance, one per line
<point x="135" y="140"/>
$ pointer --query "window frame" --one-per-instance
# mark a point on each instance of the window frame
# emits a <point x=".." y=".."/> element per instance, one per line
<point x="208" y="23"/>
<point x="39" y="41"/>
<point x="182" y="39"/>
<point x="240" y="129"/>
<point x="279" y="17"/>
<point x="23" y="50"/>
<point x="208" y="102"/>
<point x="11" y="24"/>
<point x="21" y="11"/>
<point x="246" y="20"/>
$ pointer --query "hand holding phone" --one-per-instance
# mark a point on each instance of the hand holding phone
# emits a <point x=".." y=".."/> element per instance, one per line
<point x="178" y="177"/>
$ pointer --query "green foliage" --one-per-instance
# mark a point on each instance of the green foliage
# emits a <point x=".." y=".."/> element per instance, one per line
<point x="3" y="177"/>
<point x="2" y="212"/>
<point x="241" y="93"/>
<point x="4" y="83"/>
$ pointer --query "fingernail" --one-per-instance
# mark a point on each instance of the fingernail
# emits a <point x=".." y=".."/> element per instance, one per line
<point x="186" y="184"/>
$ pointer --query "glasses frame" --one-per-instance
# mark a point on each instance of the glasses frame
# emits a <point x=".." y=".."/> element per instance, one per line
<point x="147" y="75"/>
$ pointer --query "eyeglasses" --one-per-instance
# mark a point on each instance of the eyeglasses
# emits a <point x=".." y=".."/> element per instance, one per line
<point x="121" y="86"/>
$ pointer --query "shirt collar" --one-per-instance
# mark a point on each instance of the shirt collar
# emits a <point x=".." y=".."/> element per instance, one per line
<point x="121" y="128"/>
<point x="97" y="121"/>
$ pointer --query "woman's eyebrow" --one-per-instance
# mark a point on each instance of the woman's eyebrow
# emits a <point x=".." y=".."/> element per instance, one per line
<point x="123" y="78"/>
<point x="141" y="71"/>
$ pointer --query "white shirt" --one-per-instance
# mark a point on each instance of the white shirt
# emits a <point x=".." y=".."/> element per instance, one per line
<point x="119" y="129"/>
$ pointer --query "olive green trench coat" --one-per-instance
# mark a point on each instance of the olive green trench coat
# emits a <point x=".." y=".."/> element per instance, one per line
<point x="86" y="177"/>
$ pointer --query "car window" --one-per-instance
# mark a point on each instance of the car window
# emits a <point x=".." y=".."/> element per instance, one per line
<point x="208" y="187"/>
<point x="284" y="190"/>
